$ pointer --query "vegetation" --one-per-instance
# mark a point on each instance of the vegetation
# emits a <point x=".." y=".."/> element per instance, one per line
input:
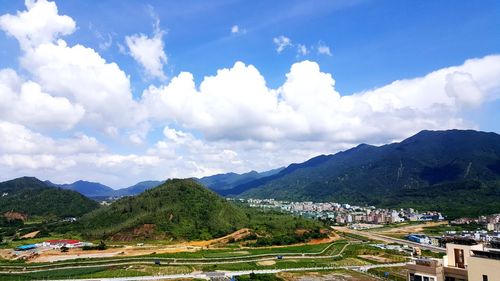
<point x="185" y="210"/>
<point x="390" y="273"/>
<point x="227" y="181"/>
<point x="443" y="228"/>
<point x="258" y="277"/>
<point x="289" y="239"/>
<point x="456" y="172"/>
<point x="32" y="197"/>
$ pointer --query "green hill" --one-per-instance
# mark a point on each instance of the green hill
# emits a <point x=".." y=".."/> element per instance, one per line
<point x="182" y="210"/>
<point x="33" y="197"/>
<point x="177" y="208"/>
<point x="456" y="171"/>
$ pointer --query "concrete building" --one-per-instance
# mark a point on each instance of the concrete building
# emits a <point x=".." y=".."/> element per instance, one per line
<point x="484" y="266"/>
<point x="425" y="270"/>
<point x="464" y="260"/>
<point x="419" y="238"/>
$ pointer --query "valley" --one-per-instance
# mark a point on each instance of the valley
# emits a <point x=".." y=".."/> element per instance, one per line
<point x="180" y="228"/>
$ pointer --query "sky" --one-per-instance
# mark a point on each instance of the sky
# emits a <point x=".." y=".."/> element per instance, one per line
<point x="123" y="91"/>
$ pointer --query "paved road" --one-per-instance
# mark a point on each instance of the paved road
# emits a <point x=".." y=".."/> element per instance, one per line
<point x="388" y="239"/>
<point x="207" y="275"/>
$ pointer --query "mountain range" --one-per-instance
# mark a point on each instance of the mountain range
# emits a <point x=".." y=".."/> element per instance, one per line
<point x="216" y="182"/>
<point x="454" y="171"/>
<point x="220" y="182"/>
<point x="97" y="190"/>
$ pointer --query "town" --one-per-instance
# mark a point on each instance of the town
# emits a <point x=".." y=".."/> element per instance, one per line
<point x="486" y="228"/>
<point x="345" y="213"/>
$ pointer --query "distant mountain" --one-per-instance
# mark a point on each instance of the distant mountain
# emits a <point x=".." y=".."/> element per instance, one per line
<point x="33" y="197"/>
<point x="227" y="181"/>
<point x="137" y="188"/>
<point x="89" y="189"/>
<point x="455" y="171"/>
<point x="181" y="209"/>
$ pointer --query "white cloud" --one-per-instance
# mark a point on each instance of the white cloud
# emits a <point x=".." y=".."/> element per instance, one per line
<point x="231" y="121"/>
<point x="40" y="24"/>
<point x="149" y="52"/>
<point x="83" y="76"/>
<point x="236" y="29"/>
<point x="236" y="104"/>
<point x="17" y="139"/>
<point x="302" y="50"/>
<point x="324" y="49"/>
<point x="24" y="102"/>
<point x="281" y="43"/>
<point x="67" y="81"/>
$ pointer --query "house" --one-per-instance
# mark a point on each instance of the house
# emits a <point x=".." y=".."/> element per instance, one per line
<point x="465" y="260"/>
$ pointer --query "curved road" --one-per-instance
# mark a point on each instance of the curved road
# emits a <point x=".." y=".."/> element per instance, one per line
<point x="208" y="275"/>
<point x="125" y="262"/>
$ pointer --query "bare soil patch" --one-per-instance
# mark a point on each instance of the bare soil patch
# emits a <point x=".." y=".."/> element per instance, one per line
<point x="266" y="263"/>
<point x="30" y="235"/>
<point x="376" y="258"/>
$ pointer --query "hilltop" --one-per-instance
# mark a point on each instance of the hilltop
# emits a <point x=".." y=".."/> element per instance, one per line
<point x="183" y="210"/>
<point x="32" y="197"/>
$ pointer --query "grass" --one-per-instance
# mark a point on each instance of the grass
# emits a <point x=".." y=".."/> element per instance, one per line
<point x="202" y="256"/>
<point x="393" y="273"/>
<point x="353" y="236"/>
<point x="222" y="253"/>
<point x="337" y="274"/>
<point x="354" y="250"/>
<point x="348" y="257"/>
<point x="439" y="230"/>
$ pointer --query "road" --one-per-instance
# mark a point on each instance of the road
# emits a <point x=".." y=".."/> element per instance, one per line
<point x="180" y="261"/>
<point x="208" y="275"/>
<point x="388" y="239"/>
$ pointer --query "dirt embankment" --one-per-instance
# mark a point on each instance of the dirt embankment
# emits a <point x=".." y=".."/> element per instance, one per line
<point x="412" y="228"/>
<point x="10" y="216"/>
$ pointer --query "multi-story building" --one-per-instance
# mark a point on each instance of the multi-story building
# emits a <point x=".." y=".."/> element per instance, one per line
<point x="465" y="260"/>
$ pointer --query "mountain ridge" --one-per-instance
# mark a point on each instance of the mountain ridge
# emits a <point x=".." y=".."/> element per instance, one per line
<point x="374" y="175"/>
<point x="33" y="197"/>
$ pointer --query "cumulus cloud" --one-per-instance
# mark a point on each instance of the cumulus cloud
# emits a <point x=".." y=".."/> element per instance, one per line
<point x="67" y="78"/>
<point x="237" y="104"/>
<point x="82" y="75"/>
<point x="230" y="121"/>
<point x="149" y="51"/>
<point x="39" y="24"/>
<point x="281" y="43"/>
<point x="26" y="103"/>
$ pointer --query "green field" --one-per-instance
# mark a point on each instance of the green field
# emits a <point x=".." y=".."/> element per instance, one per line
<point x="340" y="253"/>
<point x="390" y="273"/>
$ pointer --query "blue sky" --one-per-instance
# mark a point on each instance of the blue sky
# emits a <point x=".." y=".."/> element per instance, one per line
<point x="161" y="133"/>
<point x="374" y="42"/>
